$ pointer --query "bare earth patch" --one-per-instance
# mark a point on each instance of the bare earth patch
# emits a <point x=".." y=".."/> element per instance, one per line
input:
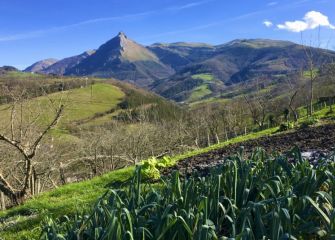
<point x="313" y="142"/>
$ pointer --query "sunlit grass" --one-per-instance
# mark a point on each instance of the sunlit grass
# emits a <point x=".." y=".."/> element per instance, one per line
<point x="199" y="93"/>
<point x="203" y="76"/>
<point x="80" y="104"/>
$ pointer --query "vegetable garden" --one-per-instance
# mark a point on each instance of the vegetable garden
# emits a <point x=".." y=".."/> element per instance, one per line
<point x="257" y="197"/>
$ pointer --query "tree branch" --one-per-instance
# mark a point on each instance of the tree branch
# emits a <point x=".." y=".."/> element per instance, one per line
<point x="51" y="125"/>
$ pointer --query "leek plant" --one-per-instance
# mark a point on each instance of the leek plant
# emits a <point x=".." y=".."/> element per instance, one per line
<point x="257" y="197"/>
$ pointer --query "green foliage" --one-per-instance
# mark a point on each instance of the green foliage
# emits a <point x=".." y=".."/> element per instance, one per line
<point x="150" y="170"/>
<point x="309" y="122"/>
<point x="261" y="197"/>
<point x="154" y="107"/>
<point x="150" y="167"/>
<point x="166" y="161"/>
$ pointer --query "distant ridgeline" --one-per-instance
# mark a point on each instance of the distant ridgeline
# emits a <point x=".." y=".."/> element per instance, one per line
<point x="189" y="71"/>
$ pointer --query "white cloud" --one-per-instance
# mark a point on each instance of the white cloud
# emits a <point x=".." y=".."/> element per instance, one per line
<point x="311" y="20"/>
<point x="268" y="23"/>
<point x="315" y="19"/>
<point x="296" y="26"/>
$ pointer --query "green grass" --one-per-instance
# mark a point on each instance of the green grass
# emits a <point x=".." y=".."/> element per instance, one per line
<point x="323" y="113"/>
<point x="63" y="135"/>
<point x="238" y="139"/>
<point x="209" y="101"/>
<point x="99" y="121"/>
<point x="67" y="199"/>
<point x="203" y="76"/>
<point x="319" y="115"/>
<point x="307" y="73"/>
<point x="199" y="93"/>
<point x="24" y="75"/>
<point x="80" y="104"/>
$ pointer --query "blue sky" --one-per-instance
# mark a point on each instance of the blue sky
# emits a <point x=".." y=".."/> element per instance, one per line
<point x="35" y="29"/>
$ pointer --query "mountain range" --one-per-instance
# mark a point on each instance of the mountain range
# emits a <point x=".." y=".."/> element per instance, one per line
<point x="188" y="71"/>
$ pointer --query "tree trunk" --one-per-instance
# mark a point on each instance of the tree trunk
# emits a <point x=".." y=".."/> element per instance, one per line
<point x="208" y="140"/>
<point x="217" y="138"/>
<point x="2" y="201"/>
<point x="62" y="174"/>
<point x="311" y="92"/>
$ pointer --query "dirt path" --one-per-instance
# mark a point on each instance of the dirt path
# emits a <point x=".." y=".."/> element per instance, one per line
<point x="319" y="139"/>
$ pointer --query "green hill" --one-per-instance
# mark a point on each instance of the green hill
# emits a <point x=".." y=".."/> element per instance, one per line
<point x="233" y="65"/>
<point x="86" y="100"/>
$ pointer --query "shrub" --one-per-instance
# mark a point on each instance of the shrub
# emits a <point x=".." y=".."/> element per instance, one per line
<point x="309" y="122"/>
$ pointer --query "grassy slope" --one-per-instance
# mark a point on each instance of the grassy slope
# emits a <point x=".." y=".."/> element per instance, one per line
<point x="24" y="75"/>
<point x="203" y="76"/>
<point x="211" y="100"/>
<point x="71" y="198"/>
<point x="64" y="200"/>
<point x="201" y="91"/>
<point x="80" y="104"/>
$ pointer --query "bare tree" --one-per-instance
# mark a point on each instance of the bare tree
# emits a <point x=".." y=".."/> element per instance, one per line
<point x="315" y="60"/>
<point x="293" y="93"/>
<point x="26" y="146"/>
<point x="257" y="107"/>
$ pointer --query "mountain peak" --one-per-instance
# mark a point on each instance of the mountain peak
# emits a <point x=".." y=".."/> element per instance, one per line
<point x="41" y="65"/>
<point x="122" y="48"/>
<point x="122" y="35"/>
<point x="123" y="58"/>
<point x="122" y="40"/>
<point x="119" y="42"/>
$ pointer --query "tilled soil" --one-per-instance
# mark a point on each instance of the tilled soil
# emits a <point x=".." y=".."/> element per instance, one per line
<point x="312" y="141"/>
